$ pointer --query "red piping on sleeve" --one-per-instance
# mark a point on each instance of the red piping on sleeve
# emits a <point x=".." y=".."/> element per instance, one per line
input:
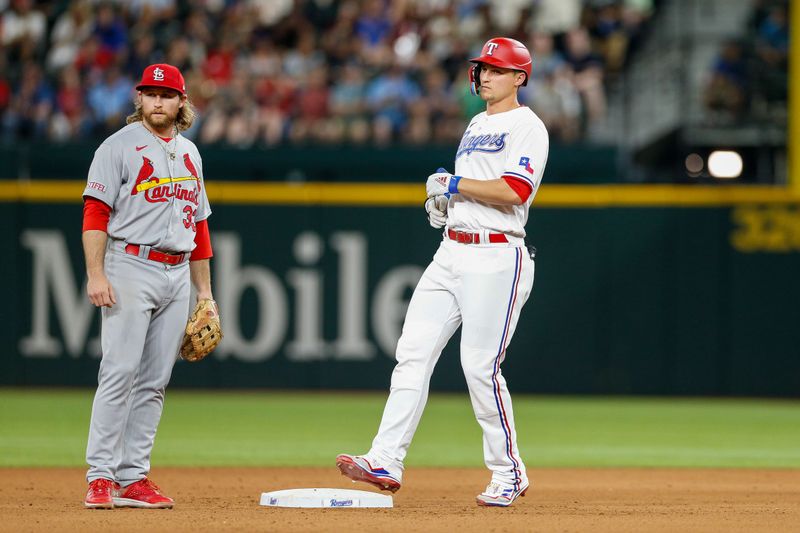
<point x="95" y="214"/>
<point x="520" y="186"/>
<point x="203" y="241"/>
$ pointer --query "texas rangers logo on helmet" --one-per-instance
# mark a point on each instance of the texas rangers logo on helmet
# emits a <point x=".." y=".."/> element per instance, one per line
<point x="158" y="74"/>
<point x="490" y="48"/>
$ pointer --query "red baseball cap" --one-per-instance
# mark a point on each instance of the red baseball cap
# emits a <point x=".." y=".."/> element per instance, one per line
<point x="162" y="75"/>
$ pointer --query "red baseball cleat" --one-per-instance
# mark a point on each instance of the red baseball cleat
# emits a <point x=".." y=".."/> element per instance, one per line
<point x="143" y="494"/>
<point x="101" y="494"/>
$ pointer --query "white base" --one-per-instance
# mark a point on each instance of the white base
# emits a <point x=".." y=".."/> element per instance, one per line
<point x="324" y="498"/>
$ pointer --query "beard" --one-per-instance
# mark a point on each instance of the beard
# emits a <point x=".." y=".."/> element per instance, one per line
<point x="161" y="120"/>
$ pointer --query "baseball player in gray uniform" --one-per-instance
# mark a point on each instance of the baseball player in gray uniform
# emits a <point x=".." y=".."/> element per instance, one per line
<point x="145" y="237"/>
<point x="479" y="279"/>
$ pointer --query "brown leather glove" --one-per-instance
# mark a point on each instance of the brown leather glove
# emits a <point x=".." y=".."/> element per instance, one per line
<point x="203" y="331"/>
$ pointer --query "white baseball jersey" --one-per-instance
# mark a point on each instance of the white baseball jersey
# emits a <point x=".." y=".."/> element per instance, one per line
<point x="156" y="199"/>
<point x="480" y="287"/>
<point x="513" y="143"/>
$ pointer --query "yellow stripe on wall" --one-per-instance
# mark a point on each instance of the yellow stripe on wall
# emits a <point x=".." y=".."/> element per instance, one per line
<point x="409" y="194"/>
<point x="42" y="191"/>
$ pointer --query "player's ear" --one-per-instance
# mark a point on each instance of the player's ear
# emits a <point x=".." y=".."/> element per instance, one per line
<point x="183" y="101"/>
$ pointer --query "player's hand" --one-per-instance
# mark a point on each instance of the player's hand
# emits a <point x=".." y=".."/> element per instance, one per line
<point x="436" y="207"/>
<point x="100" y="292"/>
<point x="442" y="183"/>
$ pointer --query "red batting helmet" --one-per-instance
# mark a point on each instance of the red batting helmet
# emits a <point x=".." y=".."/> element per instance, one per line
<point x="504" y="53"/>
<point x="162" y="75"/>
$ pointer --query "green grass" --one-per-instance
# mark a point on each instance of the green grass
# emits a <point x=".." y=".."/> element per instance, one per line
<point x="205" y="428"/>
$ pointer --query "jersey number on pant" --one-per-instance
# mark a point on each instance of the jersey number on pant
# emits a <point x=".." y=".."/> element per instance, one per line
<point x="189" y="220"/>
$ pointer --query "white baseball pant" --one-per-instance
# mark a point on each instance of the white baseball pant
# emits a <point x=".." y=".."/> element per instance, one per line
<point x="482" y="288"/>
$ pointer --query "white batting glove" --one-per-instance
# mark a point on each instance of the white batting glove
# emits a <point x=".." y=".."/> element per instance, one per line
<point x="436" y="207"/>
<point x="442" y="183"/>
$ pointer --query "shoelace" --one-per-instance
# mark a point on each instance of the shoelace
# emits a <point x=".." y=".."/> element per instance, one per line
<point x="495" y="489"/>
<point x="102" y="484"/>
<point x="145" y="484"/>
<point x="149" y="484"/>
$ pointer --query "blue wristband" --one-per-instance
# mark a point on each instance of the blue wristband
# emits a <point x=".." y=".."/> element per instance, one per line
<point x="453" y="186"/>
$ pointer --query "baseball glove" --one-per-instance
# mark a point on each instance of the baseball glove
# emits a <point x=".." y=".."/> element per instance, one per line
<point x="203" y="331"/>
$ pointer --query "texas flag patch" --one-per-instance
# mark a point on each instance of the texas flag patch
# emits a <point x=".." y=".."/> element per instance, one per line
<point x="525" y="162"/>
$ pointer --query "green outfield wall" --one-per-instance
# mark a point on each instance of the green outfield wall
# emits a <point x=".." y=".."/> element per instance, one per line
<point x="659" y="290"/>
<point x="566" y="163"/>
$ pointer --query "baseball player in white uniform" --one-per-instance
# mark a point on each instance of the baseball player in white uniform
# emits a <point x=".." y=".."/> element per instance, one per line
<point x="479" y="279"/>
<point x="145" y="237"/>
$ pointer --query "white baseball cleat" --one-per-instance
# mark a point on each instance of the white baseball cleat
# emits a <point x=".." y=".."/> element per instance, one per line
<point x="497" y="495"/>
<point x="358" y="468"/>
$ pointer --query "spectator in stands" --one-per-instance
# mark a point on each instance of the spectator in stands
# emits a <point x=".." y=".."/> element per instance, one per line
<point x="197" y="31"/>
<point x="550" y="91"/>
<point x="772" y="52"/>
<point x="607" y="28"/>
<point x="71" y="29"/>
<point x="5" y="86"/>
<point x="440" y="108"/>
<point x="773" y="37"/>
<point x="30" y="106"/>
<point x="388" y="97"/>
<point x="339" y="43"/>
<point x="109" y="100"/>
<point x="70" y="120"/>
<point x="376" y="54"/>
<point x="556" y="17"/>
<point x="373" y="27"/>
<point x="270" y="12"/>
<point x="110" y="30"/>
<point x="143" y="53"/>
<point x="310" y="122"/>
<point x="22" y="30"/>
<point x="218" y="65"/>
<point x="588" y="73"/>
<point x="348" y="106"/>
<point x="304" y="58"/>
<point x="264" y="60"/>
<point x="726" y="90"/>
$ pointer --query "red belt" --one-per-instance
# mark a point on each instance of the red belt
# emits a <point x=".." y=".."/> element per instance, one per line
<point x="465" y="237"/>
<point x="155" y="255"/>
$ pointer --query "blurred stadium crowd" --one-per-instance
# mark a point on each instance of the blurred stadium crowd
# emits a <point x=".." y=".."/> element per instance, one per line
<point x="750" y="77"/>
<point x="330" y="71"/>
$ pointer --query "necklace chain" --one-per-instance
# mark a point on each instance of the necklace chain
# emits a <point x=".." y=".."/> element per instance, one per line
<point x="165" y="145"/>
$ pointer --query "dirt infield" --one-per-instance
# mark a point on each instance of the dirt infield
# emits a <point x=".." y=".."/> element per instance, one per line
<point x="226" y="499"/>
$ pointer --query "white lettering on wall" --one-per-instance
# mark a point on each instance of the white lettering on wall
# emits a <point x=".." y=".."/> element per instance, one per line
<point x="231" y="280"/>
<point x="53" y="276"/>
<point x="389" y="305"/>
<point x="352" y="343"/>
<point x="358" y="311"/>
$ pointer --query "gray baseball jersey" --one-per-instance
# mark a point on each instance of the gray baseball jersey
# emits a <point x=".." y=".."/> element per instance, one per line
<point x="157" y="194"/>
<point x="155" y="188"/>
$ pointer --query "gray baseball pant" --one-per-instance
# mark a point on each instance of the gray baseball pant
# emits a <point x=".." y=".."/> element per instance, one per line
<point x="140" y="339"/>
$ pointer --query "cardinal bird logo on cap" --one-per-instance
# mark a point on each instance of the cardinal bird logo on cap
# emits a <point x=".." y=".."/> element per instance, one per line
<point x="193" y="171"/>
<point x="145" y="172"/>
